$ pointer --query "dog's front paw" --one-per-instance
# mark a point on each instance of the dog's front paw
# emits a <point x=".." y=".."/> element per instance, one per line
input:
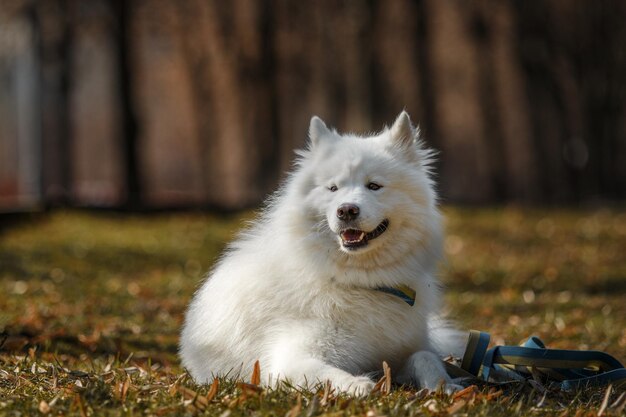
<point x="361" y="386"/>
<point x="358" y="386"/>
<point x="450" y="388"/>
<point x="426" y="369"/>
<point x="443" y="383"/>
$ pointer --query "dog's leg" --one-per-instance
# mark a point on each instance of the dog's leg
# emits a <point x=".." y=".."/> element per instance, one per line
<point x="425" y="369"/>
<point x="307" y="372"/>
<point x="290" y="362"/>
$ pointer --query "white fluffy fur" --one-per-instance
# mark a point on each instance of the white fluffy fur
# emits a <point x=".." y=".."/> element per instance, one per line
<point x="288" y="294"/>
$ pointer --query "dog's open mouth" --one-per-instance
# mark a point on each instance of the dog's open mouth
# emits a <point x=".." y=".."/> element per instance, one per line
<point x="355" y="238"/>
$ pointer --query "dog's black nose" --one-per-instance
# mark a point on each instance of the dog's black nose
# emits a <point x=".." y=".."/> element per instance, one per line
<point x="348" y="212"/>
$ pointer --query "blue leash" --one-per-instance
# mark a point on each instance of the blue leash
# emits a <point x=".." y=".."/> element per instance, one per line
<point x="564" y="369"/>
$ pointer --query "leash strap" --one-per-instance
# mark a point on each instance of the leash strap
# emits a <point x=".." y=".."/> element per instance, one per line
<point x="477" y="345"/>
<point x="567" y="369"/>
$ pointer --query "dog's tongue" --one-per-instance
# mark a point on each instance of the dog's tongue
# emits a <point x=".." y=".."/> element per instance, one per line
<point x="352" y="235"/>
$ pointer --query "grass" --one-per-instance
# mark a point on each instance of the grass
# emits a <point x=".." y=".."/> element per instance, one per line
<point x="91" y="305"/>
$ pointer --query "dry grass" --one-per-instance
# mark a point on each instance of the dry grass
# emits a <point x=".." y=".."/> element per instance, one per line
<point x="92" y="304"/>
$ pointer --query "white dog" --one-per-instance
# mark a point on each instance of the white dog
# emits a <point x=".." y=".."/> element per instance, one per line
<point x="336" y="276"/>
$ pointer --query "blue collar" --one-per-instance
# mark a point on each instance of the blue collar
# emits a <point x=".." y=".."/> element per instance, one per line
<point x="406" y="293"/>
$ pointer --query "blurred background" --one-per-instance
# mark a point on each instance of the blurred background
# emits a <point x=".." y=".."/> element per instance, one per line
<point x="199" y="103"/>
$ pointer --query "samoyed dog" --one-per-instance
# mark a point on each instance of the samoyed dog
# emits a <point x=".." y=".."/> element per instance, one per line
<point x="336" y="276"/>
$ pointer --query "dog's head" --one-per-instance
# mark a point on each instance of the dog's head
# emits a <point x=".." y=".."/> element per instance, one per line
<point x="370" y="194"/>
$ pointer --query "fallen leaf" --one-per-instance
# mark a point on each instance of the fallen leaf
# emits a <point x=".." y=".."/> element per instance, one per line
<point x="196" y="399"/>
<point x="456" y="406"/>
<point x="464" y="392"/>
<point x="386" y="387"/>
<point x="124" y="388"/>
<point x="256" y="374"/>
<point x="379" y="385"/>
<point x="213" y="390"/>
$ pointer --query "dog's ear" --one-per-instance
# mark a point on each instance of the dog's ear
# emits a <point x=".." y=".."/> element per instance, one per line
<point x="402" y="131"/>
<point x="318" y="131"/>
<point x="405" y="139"/>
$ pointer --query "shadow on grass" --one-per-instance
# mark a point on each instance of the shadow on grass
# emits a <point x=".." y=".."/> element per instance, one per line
<point x="60" y="343"/>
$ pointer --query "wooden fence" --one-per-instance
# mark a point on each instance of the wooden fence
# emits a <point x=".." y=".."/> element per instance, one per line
<point x="157" y="103"/>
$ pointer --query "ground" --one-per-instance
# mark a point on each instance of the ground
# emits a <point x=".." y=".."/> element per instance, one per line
<point x="91" y="306"/>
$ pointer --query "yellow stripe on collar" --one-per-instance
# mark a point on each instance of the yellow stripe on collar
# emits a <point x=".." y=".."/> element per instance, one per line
<point x="406" y="293"/>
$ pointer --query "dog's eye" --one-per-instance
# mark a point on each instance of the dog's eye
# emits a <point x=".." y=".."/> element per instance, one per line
<point x="373" y="186"/>
<point x="333" y="188"/>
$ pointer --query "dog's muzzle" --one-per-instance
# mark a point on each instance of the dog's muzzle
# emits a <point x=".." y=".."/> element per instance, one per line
<point x="352" y="239"/>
